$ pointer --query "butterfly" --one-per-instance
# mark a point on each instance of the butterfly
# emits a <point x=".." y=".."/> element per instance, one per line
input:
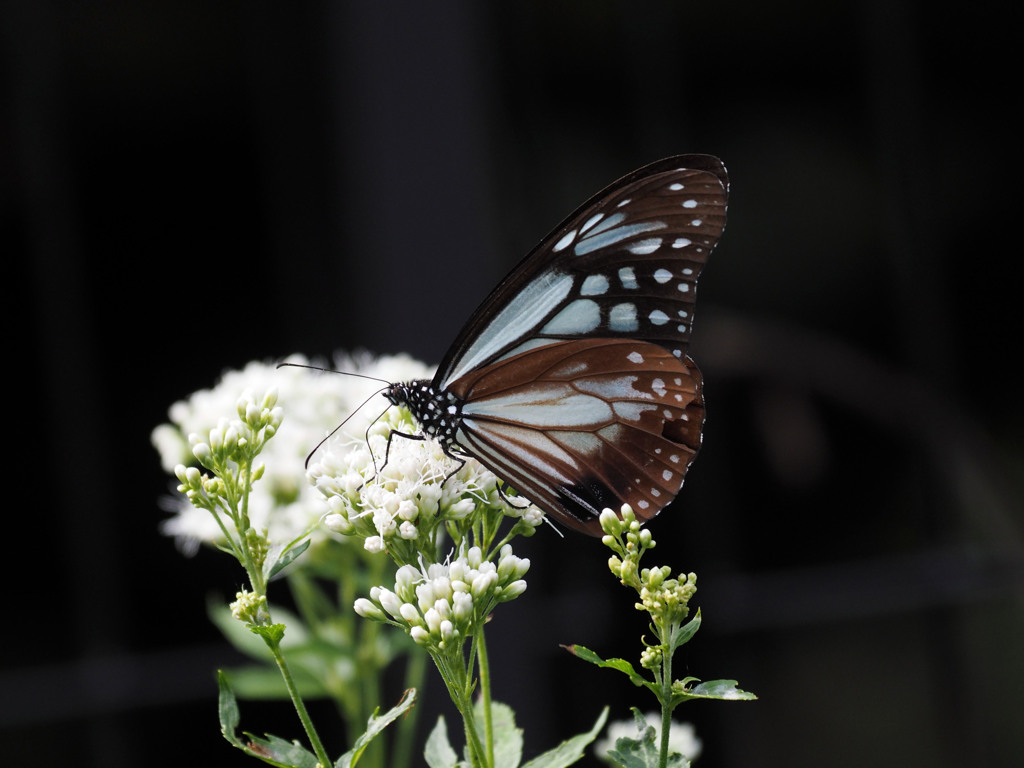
<point x="571" y="382"/>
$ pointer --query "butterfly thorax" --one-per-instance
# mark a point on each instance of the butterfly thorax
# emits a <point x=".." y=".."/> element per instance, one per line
<point x="438" y="412"/>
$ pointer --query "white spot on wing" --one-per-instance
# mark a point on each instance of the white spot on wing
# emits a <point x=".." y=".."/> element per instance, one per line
<point x="643" y="247"/>
<point x="623" y="318"/>
<point x="657" y="317"/>
<point x="689" y="204"/>
<point x="563" y="243"/>
<point x="591" y="222"/>
<point x="580" y="316"/>
<point x="594" y="285"/>
<point x="631" y="411"/>
<point x="635" y="357"/>
<point x="517" y="319"/>
<point x="681" y="242"/>
<point x="628" y="278"/>
<point x="662" y="276"/>
<point x="597" y="239"/>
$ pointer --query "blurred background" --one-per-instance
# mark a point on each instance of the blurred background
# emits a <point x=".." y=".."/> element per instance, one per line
<point x="186" y="186"/>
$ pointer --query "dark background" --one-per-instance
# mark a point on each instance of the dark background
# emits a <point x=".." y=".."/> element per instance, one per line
<point x="186" y="186"/>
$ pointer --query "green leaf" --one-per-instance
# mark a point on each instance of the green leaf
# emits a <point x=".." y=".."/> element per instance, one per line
<point x="374" y="726"/>
<point x="724" y="690"/>
<point x="643" y="751"/>
<point x="272" y="633"/>
<point x="277" y="562"/>
<point x="277" y="751"/>
<point x="228" y="710"/>
<point x="508" y="740"/>
<point x="272" y="750"/>
<point x="684" y="633"/>
<point x="619" y="664"/>
<point x="438" y="750"/>
<point x="570" y="750"/>
<point x="237" y="633"/>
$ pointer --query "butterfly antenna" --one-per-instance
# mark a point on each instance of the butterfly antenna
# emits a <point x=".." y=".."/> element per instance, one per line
<point x="340" y="373"/>
<point x="354" y="412"/>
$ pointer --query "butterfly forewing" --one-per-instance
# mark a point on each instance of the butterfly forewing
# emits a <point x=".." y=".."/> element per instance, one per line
<point x="624" y="265"/>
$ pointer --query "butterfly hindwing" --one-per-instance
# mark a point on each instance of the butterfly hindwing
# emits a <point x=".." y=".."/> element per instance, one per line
<point x="582" y="425"/>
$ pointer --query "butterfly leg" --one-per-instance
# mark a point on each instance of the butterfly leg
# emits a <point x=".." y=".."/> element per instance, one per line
<point x="447" y="452"/>
<point x="500" y="486"/>
<point x="387" y="451"/>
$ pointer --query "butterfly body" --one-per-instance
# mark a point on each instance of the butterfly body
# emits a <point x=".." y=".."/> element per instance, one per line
<point x="571" y="381"/>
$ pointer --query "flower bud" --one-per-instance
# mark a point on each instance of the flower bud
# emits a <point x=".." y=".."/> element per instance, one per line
<point x="610" y="522"/>
<point x="461" y="509"/>
<point x="338" y="524"/>
<point x="512" y="591"/>
<point x="419" y="635"/>
<point x="390" y="602"/>
<point x="409" y="613"/>
<point x="368" y="610"/>
<point x="484" y="583"/>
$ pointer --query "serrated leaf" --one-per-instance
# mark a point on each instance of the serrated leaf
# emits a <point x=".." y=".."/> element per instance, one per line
<point x="644" y="750"/>
<point x="277" y="751"/>
<point x="618" y="664"/>
<point x="374" y="726"/>
<point x="272" y="633"/>
<point x="438" y="751"/>
<point x="508" y="739"/>
<point x="272" y="749"/>
<point x="227" y="707"/>
<point x="570" y="750"/>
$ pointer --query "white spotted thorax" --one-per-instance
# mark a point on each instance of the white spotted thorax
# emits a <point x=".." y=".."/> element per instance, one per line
<point x="571" y="381"/>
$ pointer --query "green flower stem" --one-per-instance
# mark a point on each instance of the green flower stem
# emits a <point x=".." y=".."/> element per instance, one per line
<point x="255" y="573"/>
<point x="485" y="692"/>
<point x="666" y="707"/>
<point x="459" y="685"/>
<point x="300" y="707"/>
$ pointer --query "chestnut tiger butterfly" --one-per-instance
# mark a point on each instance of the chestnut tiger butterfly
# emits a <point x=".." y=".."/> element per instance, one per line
<point x="571" y="380"/>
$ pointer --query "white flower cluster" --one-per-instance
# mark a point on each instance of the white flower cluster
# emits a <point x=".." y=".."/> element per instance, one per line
<point x="313" y="405"/>
<point x="444" y="602"/>
<point x="407" y="496"/>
